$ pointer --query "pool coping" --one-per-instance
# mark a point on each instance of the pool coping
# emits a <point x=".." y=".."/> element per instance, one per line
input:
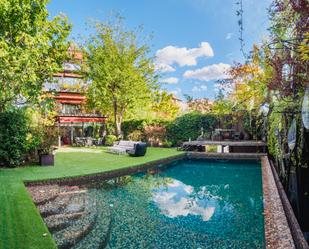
<point x="297" y="234"/>
<point x="278" y="234"/>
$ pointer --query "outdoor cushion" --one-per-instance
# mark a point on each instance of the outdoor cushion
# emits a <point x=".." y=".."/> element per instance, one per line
<point x="138" y="150"/>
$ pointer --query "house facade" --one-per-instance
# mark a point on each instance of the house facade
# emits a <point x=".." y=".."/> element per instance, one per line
<point x="76" y="124"/>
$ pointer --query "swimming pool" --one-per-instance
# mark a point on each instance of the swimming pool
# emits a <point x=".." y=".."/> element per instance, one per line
<point x="186" y="204"/>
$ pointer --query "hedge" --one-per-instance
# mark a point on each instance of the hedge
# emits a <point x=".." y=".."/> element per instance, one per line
<point x="13" y="137"/>
<point x="189" y="126"/>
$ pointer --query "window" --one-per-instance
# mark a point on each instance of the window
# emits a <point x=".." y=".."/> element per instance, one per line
<point x="70" y="109"/>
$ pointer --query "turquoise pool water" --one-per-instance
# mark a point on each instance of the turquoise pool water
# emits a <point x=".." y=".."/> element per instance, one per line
<point x="190" y="204"/>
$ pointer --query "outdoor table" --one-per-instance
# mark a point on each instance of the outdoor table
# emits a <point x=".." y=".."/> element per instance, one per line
<point x="86" y="141"/>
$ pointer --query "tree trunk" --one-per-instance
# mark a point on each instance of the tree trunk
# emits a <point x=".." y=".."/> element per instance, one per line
<point x="117" y="118"/>
<point x="118" y="127"/>
<point x="116" y="123"/>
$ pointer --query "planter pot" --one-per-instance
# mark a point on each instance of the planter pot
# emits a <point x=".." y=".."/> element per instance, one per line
<point x="46" y="160"/>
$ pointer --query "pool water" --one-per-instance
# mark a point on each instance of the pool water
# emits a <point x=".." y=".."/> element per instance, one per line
<point x="190" y="204"/>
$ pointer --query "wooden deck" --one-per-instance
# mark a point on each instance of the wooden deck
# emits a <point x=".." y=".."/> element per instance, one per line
<point x="252" y="143"/>
<point x="226" y="156"/>
<point x="248" y="146"/>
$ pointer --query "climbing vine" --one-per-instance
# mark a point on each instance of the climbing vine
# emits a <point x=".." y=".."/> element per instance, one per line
<point x="280" y="82"/>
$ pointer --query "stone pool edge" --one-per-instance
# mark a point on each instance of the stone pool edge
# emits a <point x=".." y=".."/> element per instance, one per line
<point x="278" y="234"/>
<point x="297" y="234"/>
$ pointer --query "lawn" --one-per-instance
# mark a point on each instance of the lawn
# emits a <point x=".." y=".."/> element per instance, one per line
<point x="21" y="224"/>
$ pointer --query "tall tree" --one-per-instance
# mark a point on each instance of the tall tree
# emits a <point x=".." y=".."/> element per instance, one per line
<point x="165" y="105"/>
<point x="32" y="49"/>
<point x="120" y="73"/>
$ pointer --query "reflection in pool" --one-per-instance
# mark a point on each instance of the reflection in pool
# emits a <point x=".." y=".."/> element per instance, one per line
<point x="191" y="204"/>
<point x="179" y="199"/>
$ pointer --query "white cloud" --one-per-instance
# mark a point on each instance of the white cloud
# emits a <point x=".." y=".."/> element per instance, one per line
<point x="170" y="55"/>
<point x="164" y="68"/>
<point x="177" y="199"/>
<point x="212" y="72"/>
<point x="171" y="80"/>
<point x="229" y="36"/>
<point x="200" y="88"/>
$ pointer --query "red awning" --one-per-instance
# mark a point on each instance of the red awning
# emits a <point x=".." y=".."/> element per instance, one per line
<point x="70" y="98"/>
<point x="68" y="119"/>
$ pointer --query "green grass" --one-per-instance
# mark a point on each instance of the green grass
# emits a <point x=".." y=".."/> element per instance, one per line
<point x="21" y="224"/>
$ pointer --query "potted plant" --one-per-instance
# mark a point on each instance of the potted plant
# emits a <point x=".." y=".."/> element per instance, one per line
<point x="46" y="148"/>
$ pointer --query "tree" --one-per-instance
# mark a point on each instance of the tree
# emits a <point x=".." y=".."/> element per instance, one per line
<point x="165" y="106"/>
<point x="280" y="79"/>
<point x="121" y="75"/>
<point x="32" y="49"/>
<point x="249" y="82"/>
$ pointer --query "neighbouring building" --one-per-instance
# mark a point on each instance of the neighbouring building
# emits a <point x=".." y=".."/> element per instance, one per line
<point x="76" y="124"/>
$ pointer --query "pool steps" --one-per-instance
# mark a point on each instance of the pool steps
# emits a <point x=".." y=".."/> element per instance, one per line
<point x="60" y="221"/>
<point x="71" y="218"/>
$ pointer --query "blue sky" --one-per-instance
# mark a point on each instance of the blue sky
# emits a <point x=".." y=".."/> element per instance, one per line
<point x="195" y="41"/>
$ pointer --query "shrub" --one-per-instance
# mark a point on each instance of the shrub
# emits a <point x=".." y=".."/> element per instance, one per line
<point x="133" y="125"/>
<point x="13" y="137"/>
<point x="189" y="126"/>
<point x="49" y="137"/>
<point x="135" y="136"/>
<point x="110" y="139"/>
<point x="155" y="134"/>
<point x="150" y="131"/>
<point x="167" y="144"/>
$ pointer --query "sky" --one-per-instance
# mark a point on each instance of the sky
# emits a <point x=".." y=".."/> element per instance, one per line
<point x="194" y="41"/>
